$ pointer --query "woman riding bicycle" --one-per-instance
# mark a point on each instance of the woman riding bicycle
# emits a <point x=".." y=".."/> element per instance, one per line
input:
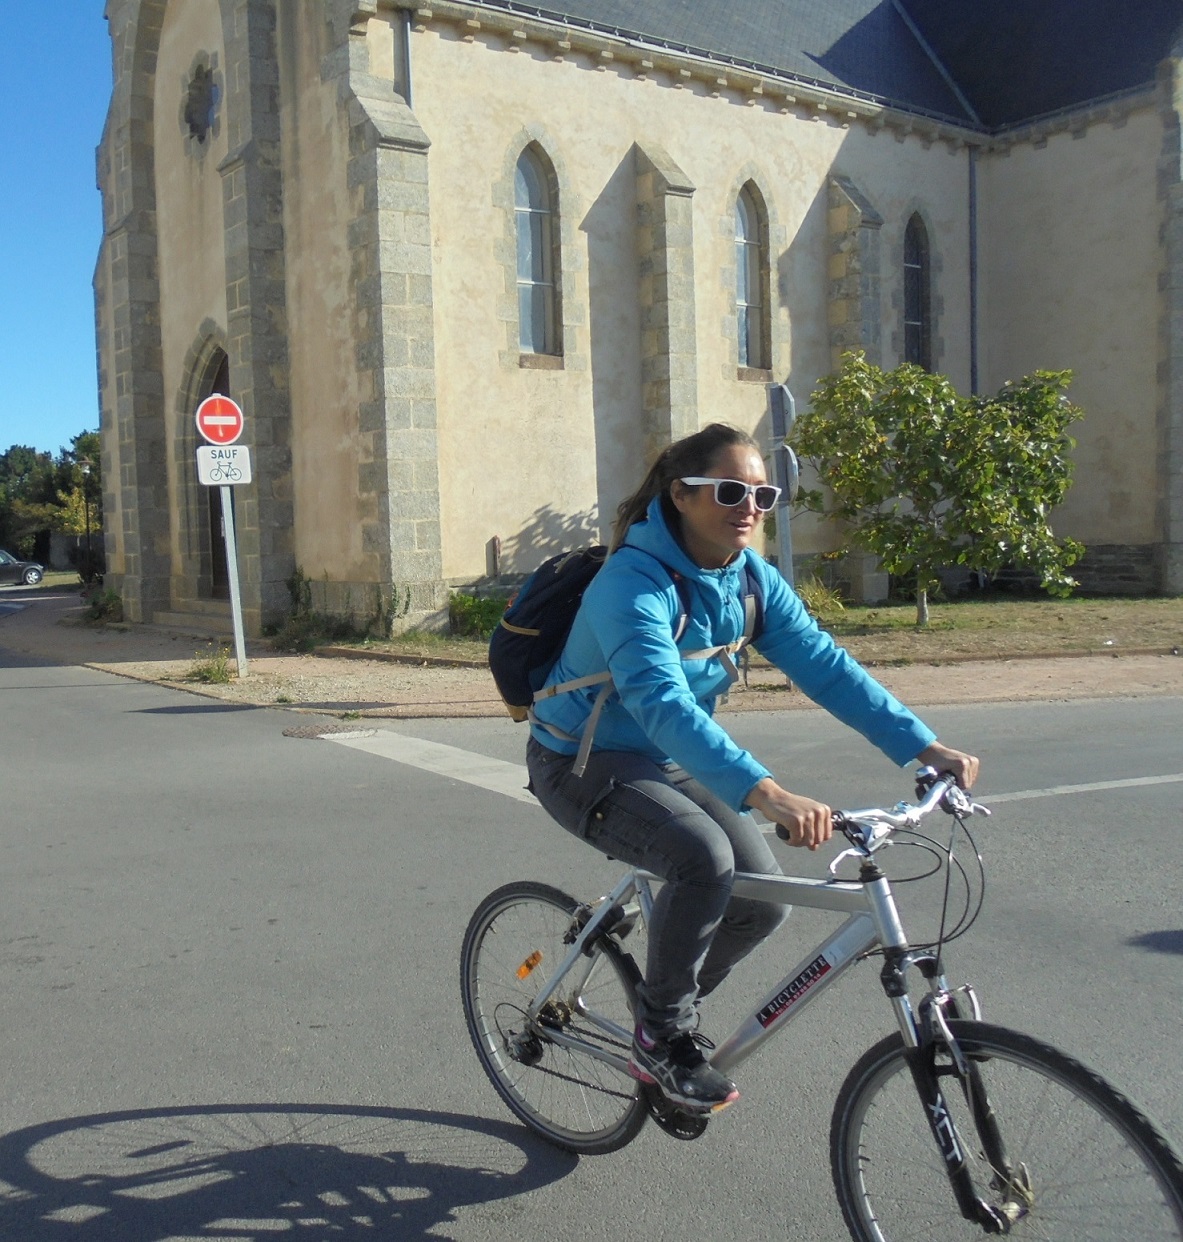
<point x="665" y="788"/>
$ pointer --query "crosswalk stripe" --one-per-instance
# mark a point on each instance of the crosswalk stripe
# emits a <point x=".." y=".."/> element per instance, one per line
<point x="450" y="761"/>
<point x="1056" y="791"/>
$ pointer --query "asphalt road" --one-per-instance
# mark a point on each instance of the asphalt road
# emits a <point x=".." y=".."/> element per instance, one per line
<point x="229" y="968"/>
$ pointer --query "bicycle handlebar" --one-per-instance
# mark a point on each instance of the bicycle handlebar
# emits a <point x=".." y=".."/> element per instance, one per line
<point x="867" y="829"/>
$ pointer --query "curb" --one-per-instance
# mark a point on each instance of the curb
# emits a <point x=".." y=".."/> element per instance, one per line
<point x="427" y="661"/>
<point x="396" y="657"/>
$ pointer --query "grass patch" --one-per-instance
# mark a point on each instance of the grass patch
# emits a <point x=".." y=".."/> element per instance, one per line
<point x="425" y="645"/>
<point x="972" y="629"/>
<point x="56" y="579"/>
<point x="964" y="630"/>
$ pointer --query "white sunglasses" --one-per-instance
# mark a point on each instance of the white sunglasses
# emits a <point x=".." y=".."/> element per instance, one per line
<point x="731" y="492"/>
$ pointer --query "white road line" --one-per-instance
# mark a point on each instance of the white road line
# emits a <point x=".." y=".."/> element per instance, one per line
<point x="460" y="765"/>
<point x="510" y="778"/>
<point x="1056" y="791"/>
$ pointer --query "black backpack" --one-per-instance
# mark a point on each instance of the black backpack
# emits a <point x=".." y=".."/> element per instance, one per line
<point x="531" y="634"/>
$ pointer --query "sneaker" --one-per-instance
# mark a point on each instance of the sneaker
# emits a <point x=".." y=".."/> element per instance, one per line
<point x="677" y="1068"/>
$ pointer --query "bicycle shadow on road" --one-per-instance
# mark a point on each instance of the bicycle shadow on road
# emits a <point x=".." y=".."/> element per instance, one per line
<point x="252" y="1170"/>
<point x="1159" y="941"/>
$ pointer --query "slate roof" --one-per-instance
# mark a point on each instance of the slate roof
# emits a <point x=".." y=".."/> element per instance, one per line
<point x="863" y="46"/>
<point x="1008" y="60"/>
<point x="1018" y="59"/>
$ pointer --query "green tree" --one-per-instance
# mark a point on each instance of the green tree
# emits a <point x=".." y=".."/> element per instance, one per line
<point x="40" y="493"/>
<point x="27" y="480"/>
<point x="923" y="477"/>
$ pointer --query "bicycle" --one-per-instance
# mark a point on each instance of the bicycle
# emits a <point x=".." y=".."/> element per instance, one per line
<point x="224" y="471"/>
<point x="948" y="1128"/>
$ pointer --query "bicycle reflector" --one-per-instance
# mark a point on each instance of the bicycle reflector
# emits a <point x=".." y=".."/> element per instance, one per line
<point x="528" y="965"/>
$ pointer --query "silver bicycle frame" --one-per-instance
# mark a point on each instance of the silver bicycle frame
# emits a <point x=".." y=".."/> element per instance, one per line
<point x="872" y="921"/>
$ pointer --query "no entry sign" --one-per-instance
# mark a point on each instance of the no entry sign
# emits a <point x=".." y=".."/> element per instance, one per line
<point x="219" y="419"/>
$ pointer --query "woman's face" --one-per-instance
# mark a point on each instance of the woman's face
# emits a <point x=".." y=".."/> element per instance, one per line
<point x="715" y="534"/>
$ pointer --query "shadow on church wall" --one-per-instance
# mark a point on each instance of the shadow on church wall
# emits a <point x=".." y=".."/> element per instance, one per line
<point x="547" y="533"/>
<point x="614" y="323"/>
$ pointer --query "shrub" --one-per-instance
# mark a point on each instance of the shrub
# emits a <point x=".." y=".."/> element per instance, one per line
<point x="90" y="563"/>
<point x="102" y="606"/>
<point x="823" y="603"/>
<point x="475" y="616"/>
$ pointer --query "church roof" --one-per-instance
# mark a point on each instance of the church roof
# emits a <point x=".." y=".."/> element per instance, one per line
<point x="982" y="63"/>
<point x="1018" y="59"/>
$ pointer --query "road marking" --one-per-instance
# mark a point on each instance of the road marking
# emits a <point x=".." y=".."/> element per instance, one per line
<point x="510" y="778"/>
<point x="460" y="765"/>
<point x="1055" y="791"/>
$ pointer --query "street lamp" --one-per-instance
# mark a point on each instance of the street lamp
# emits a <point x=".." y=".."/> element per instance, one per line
<point x="86" y="464"/>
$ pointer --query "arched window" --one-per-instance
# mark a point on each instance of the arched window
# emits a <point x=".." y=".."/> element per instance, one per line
<point x="917" y="295"/>
<point x="536" y="217"/>
<point x="751" y="280"/>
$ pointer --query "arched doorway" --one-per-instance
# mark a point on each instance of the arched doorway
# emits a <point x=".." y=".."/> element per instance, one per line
<point x="218" y="579"/>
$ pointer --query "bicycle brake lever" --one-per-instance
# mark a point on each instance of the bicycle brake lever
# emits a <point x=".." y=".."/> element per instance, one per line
<point x="837" y="860"/>
<point x="958" y="802"/>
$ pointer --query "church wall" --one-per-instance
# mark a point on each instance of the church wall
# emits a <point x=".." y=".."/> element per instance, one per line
<point x="540" y="457"/>
<point x="191" y="250"/>
<point x="1070" y="267"/>
<point x="324" y="385"/>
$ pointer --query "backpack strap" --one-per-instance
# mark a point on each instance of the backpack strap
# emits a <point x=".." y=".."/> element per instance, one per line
<point x="753" y="624"/>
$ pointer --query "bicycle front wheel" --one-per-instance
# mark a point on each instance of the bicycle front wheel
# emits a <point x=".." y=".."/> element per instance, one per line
<point x="551" y="1070"/>
<point x="1087" y="1163"/>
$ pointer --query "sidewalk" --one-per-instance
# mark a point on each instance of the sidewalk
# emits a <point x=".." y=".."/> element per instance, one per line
<point x="47" y="626"/>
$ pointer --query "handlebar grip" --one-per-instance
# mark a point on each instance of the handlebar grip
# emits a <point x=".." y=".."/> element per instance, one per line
<point x="839" y="823"/>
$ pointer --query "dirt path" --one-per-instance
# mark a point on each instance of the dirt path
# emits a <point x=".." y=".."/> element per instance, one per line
<point x="47" y="626"/>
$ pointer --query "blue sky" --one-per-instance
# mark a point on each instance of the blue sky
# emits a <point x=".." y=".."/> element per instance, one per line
<point x="53" y="97"/>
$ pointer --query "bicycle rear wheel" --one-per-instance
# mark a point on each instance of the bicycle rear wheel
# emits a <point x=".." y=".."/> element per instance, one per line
<point x="1093" y="1166"/>
<point x="513" y="945"/>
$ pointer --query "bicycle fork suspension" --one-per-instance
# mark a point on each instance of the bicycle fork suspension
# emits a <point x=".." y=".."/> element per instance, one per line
<point x="923" y="1039"/>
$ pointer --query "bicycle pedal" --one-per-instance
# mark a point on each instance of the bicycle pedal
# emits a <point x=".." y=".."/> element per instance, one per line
<point x="675" y="1121"/>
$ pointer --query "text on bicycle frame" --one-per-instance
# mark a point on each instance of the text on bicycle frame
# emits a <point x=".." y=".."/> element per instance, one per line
<point x="794" y="990"/>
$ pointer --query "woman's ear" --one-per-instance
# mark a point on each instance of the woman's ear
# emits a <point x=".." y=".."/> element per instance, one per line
<point x="679" y="493"/>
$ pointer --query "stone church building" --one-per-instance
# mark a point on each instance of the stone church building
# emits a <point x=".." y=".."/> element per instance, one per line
<point x="466" y="266"/>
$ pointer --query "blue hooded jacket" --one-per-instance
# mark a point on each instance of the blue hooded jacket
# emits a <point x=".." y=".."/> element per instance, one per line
<point x="663" y="706"/>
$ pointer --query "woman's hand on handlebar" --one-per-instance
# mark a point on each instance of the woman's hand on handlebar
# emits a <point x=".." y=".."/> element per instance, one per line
<point x="945" y="759"/>
<point x="809" y="823"/>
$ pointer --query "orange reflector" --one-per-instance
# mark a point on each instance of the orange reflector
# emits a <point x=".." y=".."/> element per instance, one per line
<point x="529" y="964"/>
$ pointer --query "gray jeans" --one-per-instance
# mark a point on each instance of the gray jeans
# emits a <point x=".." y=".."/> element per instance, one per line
<point x="659" y="818"/>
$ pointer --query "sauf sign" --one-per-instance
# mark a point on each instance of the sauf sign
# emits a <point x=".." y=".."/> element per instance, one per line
<point x="228" y="465"/>
<point x="222" y="463"/>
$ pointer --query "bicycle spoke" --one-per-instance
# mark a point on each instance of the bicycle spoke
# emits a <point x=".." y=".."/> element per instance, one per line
<point x="549" y="1068"/>
<point x="1098" y="1170"/>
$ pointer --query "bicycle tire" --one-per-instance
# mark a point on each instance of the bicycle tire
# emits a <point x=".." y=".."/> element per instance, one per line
<point x="1098" y="1168"/>
<point x="573" y="1100"/>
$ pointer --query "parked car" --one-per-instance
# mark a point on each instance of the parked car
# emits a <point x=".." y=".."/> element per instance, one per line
<point x="29" y="573"/>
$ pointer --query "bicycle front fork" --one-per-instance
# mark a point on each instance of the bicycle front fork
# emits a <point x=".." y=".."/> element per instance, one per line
<point x="939" y="1056"/>
<point x="928" y="1039"/>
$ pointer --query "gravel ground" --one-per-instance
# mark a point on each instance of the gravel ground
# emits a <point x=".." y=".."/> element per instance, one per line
<point x="48" y="626"/>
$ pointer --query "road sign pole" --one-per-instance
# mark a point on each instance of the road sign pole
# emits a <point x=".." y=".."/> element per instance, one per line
<point x="232" y="573"/>
<point x="783" y="411"/>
